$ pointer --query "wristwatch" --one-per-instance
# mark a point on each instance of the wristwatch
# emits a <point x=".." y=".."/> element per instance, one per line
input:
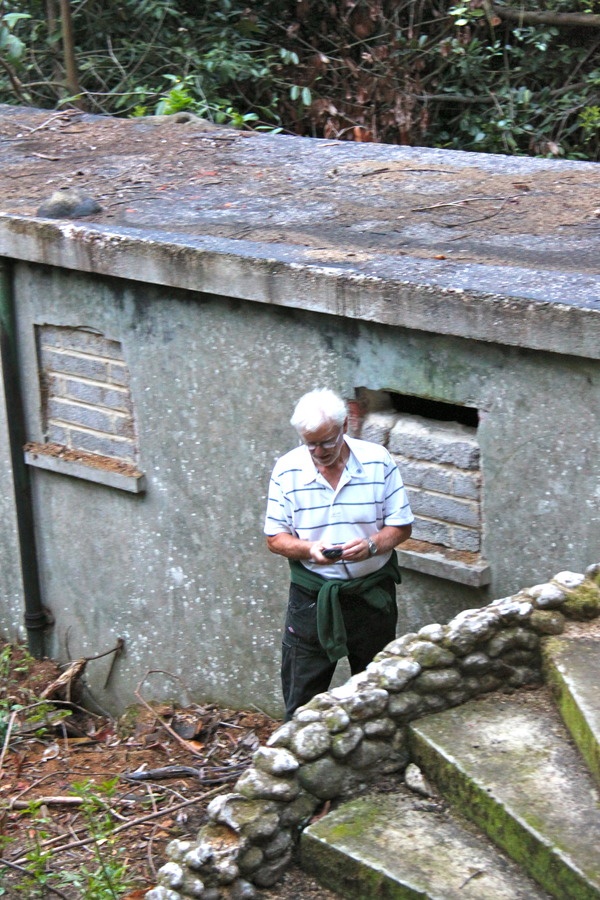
<point x="372" y="547"/>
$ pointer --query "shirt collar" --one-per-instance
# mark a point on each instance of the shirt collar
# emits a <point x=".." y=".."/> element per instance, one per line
<point x="310" y="471"/>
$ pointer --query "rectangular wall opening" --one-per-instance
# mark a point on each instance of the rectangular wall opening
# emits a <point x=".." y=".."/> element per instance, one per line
<point x="435" y="446"/>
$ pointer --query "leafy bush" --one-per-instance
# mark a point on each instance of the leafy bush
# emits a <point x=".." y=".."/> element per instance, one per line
<point x="451" y="75"/>
<point x="474" y="75"/>
<point x="141" y="54"/>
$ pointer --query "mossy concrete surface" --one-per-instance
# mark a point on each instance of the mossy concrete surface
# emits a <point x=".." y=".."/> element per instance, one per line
<point x="509" y="765"/>
<point x="572" y="667"/>
<point x="394" y="847"/>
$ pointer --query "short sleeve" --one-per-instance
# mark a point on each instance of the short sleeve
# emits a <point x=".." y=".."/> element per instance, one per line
<point x="396" y="509"/>
<point x="277" y="519"/>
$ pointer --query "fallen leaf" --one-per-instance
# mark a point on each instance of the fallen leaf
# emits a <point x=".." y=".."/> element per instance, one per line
<point x="51" y="752"/>
<point x="194" y="746"/>
<point x="105" y="733"/>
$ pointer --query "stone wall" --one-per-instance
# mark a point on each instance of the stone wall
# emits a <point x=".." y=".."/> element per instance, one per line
<point x="440" y="466"/>
<point x="85" y="390"/>
<point x="344" y="739"/>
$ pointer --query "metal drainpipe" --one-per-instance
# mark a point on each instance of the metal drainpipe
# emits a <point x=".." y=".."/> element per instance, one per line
<point x="36" y="619"/>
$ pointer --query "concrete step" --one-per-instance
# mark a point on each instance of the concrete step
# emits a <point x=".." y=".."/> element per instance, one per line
<point x="572" y="668"/>
<point x="508" y="763"/>
<point x="397" y="847"/>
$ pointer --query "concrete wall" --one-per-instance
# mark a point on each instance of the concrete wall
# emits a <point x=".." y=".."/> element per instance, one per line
<point x="181" y="572"/>
<point x="539" y="449"/>
<point x="11" y="586"/>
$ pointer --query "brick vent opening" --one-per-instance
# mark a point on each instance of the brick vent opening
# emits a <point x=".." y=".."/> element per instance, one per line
<point x="435" y="447"/>
<point x="86" y="400"/>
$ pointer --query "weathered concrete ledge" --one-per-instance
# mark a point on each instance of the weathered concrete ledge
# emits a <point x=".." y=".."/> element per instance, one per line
<point x="487" y="247"/>
<point x="386" y="846"/>
<point x="511" y="768"/>
<point x="474" y="574"/>
<point x="572" y="668"/>
<point x="134" y="483"/>
<point x="529" y="308"/>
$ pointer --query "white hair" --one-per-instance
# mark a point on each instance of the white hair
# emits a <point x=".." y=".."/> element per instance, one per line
<point x="316" y="409"/>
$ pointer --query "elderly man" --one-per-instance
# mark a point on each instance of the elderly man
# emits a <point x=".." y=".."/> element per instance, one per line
<point x="337" y="508"/>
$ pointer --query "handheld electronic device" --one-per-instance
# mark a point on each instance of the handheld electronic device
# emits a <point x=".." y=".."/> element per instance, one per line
<point x="333" y="552"/>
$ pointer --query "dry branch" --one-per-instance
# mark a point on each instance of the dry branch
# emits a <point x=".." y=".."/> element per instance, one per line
<point x="75" y="671"/>
<point x="45" y="801"/>
<point x="534" y="17"/>
<point x="9" y="729"/>
<point x="160" y="721"/>
<point x="14" y="79"/>
<point x="458" y="202"/>
<point x="132" y="824"/>
<point x="71" y="674"/>
<point x="17" y="868"/>
<point x="54" y="800"/>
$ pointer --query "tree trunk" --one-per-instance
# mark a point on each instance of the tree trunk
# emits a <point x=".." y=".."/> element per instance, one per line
<point x="52" y="23"/>
<point x="71" y="75"/>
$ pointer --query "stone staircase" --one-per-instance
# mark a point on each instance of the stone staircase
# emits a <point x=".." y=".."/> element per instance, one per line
<point x="514" y="814"/>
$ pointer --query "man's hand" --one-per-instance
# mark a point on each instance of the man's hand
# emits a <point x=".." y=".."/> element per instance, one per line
<point x="385" y="540"/>
<point x="356" y="550"/>
<point x="293" y="548"/>
<point x="316" y="554"/>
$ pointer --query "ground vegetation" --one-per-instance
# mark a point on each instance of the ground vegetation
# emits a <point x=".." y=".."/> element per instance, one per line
<point x="88" y="802"/>
<point x="510" y="76"/>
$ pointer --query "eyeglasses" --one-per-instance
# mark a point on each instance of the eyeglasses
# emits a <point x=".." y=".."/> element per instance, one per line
<point x="325" y="445"/>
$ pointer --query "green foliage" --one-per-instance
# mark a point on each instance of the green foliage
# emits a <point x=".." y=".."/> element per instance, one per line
<point x="29" y="715"/>
<point x="105" y="879"/>
<point x="183" y="97"/>
<point x="518" y="91"/>
<point x="590" y="119"/>
<point x="108" y="878"/>
<point x="11" y="47"/>
<point x="448" y="75"/>
<point x="36" y="875"/>
<point x="444" y="74"/>
<point x="137" y="58"/>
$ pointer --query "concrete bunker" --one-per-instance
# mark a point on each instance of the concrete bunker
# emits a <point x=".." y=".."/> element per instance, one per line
<point x="228" y="300"/>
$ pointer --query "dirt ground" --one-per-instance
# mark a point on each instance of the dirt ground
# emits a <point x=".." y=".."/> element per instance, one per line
<point x="162" y="766"/>
<point x="165" y="765"/>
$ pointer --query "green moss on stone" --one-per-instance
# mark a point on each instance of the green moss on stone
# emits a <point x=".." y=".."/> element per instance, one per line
<point x="571" y="713"/>
<point x="547" y="621"/>
<point x="583" y="602"/>
<point x="352" y="828"/>
<point x="594" y="576"/>
<point x="520" y="841"/>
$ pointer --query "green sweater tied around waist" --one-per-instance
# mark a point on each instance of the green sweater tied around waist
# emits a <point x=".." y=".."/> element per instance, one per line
<point x="330" y="622"/>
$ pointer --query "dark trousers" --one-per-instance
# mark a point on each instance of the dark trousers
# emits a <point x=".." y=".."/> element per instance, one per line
<point x="305" y="667"/>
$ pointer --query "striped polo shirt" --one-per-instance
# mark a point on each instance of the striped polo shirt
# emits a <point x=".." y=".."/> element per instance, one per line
<point x="370" y="494"/>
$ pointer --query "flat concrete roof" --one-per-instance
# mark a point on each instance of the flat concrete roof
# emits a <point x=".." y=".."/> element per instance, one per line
<point x="494" y="248"/>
